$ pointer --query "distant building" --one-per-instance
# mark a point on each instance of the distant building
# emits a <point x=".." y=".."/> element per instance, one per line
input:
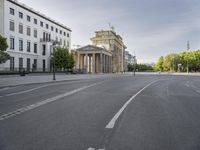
<point x="113" y="43"/>
<point x="93" y="59"/>
<point x="30" y="35"/>
<point x="129" y="59"/>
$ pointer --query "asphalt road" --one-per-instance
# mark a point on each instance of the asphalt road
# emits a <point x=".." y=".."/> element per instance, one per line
<point x="146" y="112"/>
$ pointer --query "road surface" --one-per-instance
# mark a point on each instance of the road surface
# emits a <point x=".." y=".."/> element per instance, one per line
<point x="146" y="112"/>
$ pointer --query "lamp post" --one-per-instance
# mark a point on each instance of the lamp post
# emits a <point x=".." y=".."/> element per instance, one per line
<point x="54" y="46"/>
<point x="134" y="65"/>
<point x="188" y="48"/>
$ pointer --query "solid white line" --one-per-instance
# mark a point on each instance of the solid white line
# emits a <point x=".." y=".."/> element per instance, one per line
<point x="94" y="149"/>
<point x="111" y="124"/>
<point x="30" y="90"/>
<point x="26" y="91"/>
<point x="38" y="104"/>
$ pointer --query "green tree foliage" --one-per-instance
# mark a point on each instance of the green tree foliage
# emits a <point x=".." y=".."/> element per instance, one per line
<point x="159" y="65"/>
<point x="139" y="67"/>
<point x="3" y="46"/>
<point x="63" y="59"/>
<point x="171" y="62"/>
<point x="178" y="62"/>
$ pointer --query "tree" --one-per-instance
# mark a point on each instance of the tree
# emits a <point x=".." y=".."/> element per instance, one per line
<point x="171" y="62"/>
<point x="159" y="64"/>
<point x="63" y="59"/>
<point x="3" y="46"/>
<point x="71" y="61"/>
<point x="179" y="61"/>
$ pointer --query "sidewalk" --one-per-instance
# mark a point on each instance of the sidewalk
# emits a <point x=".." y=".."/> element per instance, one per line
<point x="6" y="81"/>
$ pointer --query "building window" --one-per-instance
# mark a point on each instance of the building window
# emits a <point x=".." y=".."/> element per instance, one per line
<point x="12" y="43"/>
<point x="21" y="28"/>
<point x="60" y="31"/>
<point x="35" y="47"/>
<point x="12" y="11"/>
<point x="20" y="63"/>
<point x="47" y="26"/>
<point x="12" y="63"/>
<point x="43" y="50"/>
<point x="21" y="15"/>
<point x="64" y="43"/>
<point x="28" y="46"/>
<point x="67" y="44"/>
<point x="52" y="28"/>
<point x="35" y="21"/>
<point x="56" y="30"/>
<point x="41" y="23"/>
<point x="35" y="64"/>
<point x="44" y="65"/>
<point x="20" y="45"/>
<point x="60" y="41"/>
<point x="28" y="31"/>
<point x="64" y="33"/>
<point x="35" y="33"/>
<point x="28" y="18"/>
<point x="67" y="34"/>
<point x="28" y="64"/>
<point x="12" y="26"/>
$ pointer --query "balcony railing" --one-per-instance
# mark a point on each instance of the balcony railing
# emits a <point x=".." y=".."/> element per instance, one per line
<point x="46" y="40"/>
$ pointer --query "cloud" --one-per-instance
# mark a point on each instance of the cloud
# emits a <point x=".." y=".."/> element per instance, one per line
<point x="149" y="27"/>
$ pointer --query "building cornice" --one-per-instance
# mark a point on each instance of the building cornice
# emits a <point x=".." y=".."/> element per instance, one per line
<point x="38" y="14"/>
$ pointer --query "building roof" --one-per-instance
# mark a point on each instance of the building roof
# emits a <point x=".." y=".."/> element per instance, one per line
<point x="93" y="48"/>
<point x="38" y="13"/>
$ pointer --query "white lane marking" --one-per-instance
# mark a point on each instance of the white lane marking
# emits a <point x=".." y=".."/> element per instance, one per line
<point x="26" y="91"/>
<point x="3" y="89"/>
<point x="94" y="149"/>
<point x="111" y="124"/>
<point x="38" y="104"/>
<point x="10" y="88"/>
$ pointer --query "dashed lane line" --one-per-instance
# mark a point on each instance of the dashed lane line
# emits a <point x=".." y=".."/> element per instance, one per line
<point x="26" y="91"/>
<point x="38" y="104"/>
<point x="112" y="122"/>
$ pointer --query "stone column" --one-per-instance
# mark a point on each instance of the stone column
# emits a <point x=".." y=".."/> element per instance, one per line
<point x="93" y="63"/>
<point x="101" y="63"/>
<point x="104" y="61"/>
<point x="106" y="64"/>
<point x="89" y="65"/>
<point x="110" y="64"/>
<point x="78" y="61"/>
<point x="86" y="63"/>
<point x="81" y="61"/>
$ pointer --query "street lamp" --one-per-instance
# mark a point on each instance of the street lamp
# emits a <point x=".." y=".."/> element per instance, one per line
<point x="134" y="65"/>
<point x="188" y="48"/>
<point x="54" y="46"/>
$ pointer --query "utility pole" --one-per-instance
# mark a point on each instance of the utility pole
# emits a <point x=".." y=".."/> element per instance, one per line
<point x="188" y="48"/>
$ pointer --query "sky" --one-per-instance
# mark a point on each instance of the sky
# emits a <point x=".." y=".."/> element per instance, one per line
<point x="150" y="28"/>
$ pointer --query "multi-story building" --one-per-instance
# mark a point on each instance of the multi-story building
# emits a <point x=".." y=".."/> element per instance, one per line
<point x="30" y="35"/>
<point x="129" y="59"/>
<point x="113" y="43"/>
